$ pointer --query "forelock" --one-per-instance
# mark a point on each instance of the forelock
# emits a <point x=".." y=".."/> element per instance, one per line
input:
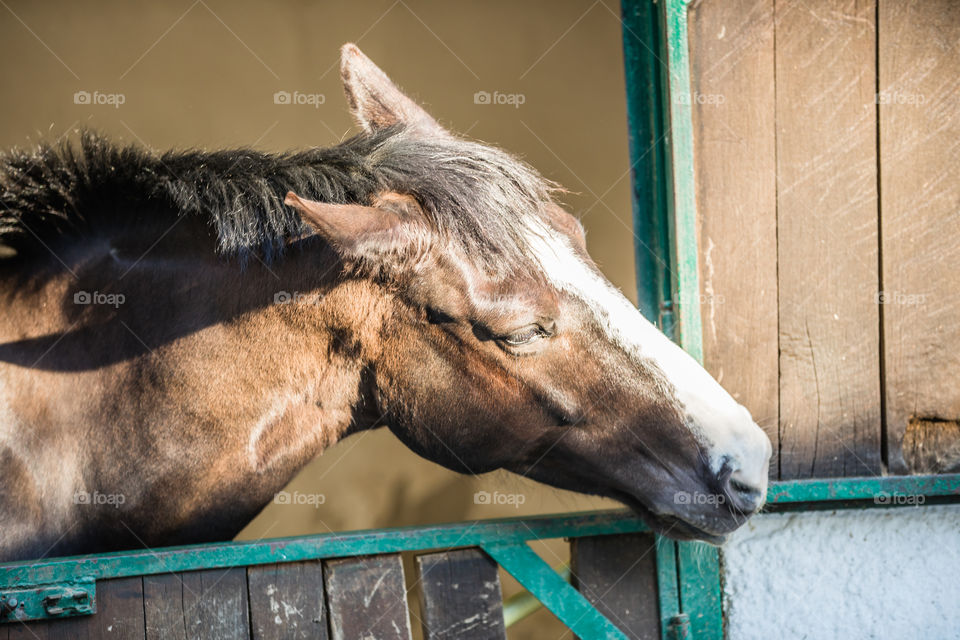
<point x="475" y="195"/>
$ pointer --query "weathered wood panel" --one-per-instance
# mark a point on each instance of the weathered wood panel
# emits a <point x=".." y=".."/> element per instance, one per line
<point x="828" y="273"/>
<point x="618" y="575"/>
<point x="461" y="596"/>
<point x="286" y="601"/>
<point x="733" y="100"/>
<point x="919" y="103"/>
<point x="932" y="446"/>
<point x="215" y="604"/>
<point x="366" y="598"/>
<point x="119" y="615"/>
<point x="163" y="607"/>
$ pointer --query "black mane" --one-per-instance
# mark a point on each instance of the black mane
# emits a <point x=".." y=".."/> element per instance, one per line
<point x="476" y="193"/>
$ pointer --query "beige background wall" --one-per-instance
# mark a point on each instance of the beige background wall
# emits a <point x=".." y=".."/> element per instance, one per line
<point x="203" y="74"/>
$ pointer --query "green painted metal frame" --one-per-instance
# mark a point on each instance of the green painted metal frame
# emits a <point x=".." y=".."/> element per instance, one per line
<point x="657" y="64"/>
<point x="558" y="595"/>
<point x="505" y="540"/>
<point x="652" y="227"/>
<point x="332" y="545"/>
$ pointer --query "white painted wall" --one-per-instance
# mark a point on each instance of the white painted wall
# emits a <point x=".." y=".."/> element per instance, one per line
<point x="876" y="573"/>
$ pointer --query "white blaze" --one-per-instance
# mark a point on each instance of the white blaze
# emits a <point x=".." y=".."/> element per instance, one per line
<point x="724" y="426"/>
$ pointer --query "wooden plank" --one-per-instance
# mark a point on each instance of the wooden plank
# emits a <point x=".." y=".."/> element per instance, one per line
<point x="215" y="604"/>
<point x="461" y="596"/>
<point x="733" y="100"/>
<point x="827" y="238"/>
<point x="286" y="601"/>
<point x="919" y="81"/>
<point x="163" y="607"/>
<point x="119" y="611"/>
<point x="119" y="615"/>
<point x="366" y="598"/>
<point x="618" y="575"/>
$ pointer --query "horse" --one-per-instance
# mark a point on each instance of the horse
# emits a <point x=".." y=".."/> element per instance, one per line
<point x="182" y="332"/>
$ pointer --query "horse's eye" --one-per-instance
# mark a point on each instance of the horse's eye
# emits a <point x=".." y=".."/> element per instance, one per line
<point x="525" y="336"/>
<point x="436" y="316"/>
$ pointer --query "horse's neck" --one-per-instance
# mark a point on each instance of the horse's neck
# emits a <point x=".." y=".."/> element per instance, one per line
<point x="203" y="387"/>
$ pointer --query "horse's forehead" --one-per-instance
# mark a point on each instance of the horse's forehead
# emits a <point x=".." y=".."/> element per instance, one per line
<point x="568" y="270"/>
<point x="556" y="259"/>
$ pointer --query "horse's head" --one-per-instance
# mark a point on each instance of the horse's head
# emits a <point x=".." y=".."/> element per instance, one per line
<point x="505" y="346"/>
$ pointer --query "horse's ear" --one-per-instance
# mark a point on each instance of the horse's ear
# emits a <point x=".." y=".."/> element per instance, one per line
<point x="377" y="103"/>
<point x="359" y="231"/>
<point x="567" y="225"/>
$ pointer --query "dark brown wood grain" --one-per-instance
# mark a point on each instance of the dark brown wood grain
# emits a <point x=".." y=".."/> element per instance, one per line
<point x="215" y="604"/>
<point x="461" y="596"/>
<point x="732" y="72"/>
<point x="163" y="607"/>
<point x="932" y="446"/>
<point x="366" y="598"/>
<point x="286" y="601"/>
<point x="618" y="574"/>
<point x="919" y="82"/>
<point x="827" y="221"/>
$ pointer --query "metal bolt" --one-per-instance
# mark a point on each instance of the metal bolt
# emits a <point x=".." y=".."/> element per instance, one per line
<point x="8" y="604"/>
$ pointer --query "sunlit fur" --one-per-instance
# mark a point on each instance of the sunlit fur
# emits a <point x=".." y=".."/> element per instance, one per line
<point x="254" y="335"/>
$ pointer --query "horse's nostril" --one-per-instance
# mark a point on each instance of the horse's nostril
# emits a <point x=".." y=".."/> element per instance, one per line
<point x="738" y="486"/>
<point x="745" y="497"/>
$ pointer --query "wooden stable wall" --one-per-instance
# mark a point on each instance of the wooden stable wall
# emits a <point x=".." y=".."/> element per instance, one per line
<point x="827" y="144"/>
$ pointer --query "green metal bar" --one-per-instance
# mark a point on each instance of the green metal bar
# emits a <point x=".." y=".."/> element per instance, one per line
<point x="697" y="566"/>
<point x="651" y="224"/>
<point x="233" y="554"/>
<point x="668" y="595"/>
<point x="554" y="592"/>
<point x="520" y="605"/>
<point x="699" y="578"/>
<point x="881" y="491"/>
<point x="681" y="196"/>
